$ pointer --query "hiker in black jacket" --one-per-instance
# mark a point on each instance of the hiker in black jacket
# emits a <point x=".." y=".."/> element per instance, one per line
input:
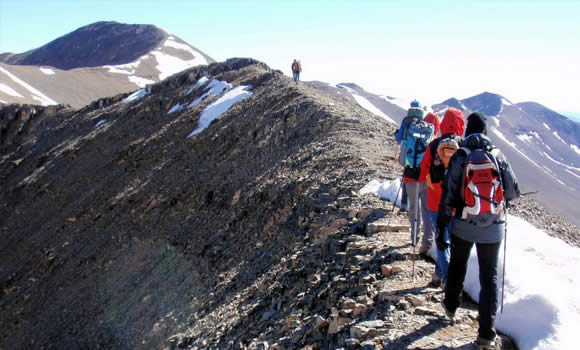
<point x="467" y="229"/>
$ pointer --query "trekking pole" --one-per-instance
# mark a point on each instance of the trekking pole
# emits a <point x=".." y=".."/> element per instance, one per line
<point x="504" y="256"/>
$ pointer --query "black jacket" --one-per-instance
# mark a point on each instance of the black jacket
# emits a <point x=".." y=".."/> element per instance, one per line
<point x="451" y="197"/>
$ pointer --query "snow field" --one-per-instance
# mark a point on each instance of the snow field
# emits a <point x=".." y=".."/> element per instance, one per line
<point x="366" y="104"/>
<point x="37" y="95"/>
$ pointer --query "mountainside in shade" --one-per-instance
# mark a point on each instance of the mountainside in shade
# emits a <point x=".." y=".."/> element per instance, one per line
<point x="99" y="60"/>
<point x="97" y="44"/>
<point x="542" y="145"/>
<point x="217" y="209"/>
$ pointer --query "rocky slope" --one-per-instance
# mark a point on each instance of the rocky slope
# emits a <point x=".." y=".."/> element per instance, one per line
<point x="118" y="231"/>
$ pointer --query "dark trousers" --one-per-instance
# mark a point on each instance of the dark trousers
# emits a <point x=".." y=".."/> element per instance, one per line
<point x="487" y="256"/>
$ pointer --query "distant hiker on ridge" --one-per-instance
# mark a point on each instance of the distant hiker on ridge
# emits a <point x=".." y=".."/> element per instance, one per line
<point x="414" y="135"/>
<point x="433" y="168"/>
<point x="296" y="69"/>
<point x="476" y="188"/>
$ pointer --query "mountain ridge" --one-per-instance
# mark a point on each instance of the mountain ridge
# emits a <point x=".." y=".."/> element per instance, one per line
<point x="249" y="234"/>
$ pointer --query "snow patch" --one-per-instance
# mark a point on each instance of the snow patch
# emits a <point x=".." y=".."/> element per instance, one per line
<point x="128" y="68"/>
<point x="558" y="136"/>
<point x="214" y="88"/>
<point x="495" y="121"/>
<point x="219" y="107"/>
<point x="136" y="95"/>
<point x="141" y="82"/>
<point x="560" y="163"/>
<point x="178" y="107"/>
<point x="366" y="104"/>
<point x="47" y="71"/>
<point x="100" y="122"/>
<point x="505" y="102"/>
<point x="403" y="103"/>
<point x="546" y="126"/>
<point x="202" y="81"/>
<point x="527" y="137"/>
<point x="513" y="145"/>
<point x="37" y="95"/>
<point x="169" y="65"/>
<point x="524" y="137"/>
<point x="9" y="91"/>
<point x="386" y="190"/>
<point x="575" y="148"/>
<point x="568" y="171"/>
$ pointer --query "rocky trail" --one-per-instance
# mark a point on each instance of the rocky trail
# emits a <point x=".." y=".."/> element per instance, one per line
<point x="350" y="289"/>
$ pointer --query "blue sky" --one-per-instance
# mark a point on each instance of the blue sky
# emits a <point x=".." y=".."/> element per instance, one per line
<point x="430" y="50"/>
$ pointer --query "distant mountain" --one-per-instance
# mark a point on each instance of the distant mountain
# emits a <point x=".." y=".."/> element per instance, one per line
<point x="98" y="60"/>
<point x="542" y="145"/>
<point x="98" y="44"/>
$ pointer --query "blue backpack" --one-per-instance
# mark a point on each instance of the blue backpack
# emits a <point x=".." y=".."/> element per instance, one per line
<point x="419" y="136"/>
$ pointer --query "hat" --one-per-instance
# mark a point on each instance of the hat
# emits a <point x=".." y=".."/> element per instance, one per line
<point x="415" y="112"/>
<point x="476" y="124"/>
<point x="416" y="103"/>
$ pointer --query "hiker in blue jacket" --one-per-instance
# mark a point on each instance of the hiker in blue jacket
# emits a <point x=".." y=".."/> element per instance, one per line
<point x="486" y="236"/>
<point x="400" y="137"/>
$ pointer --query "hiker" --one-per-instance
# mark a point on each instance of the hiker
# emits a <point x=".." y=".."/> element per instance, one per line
<point x="479" y="219"/>
<point x="428" y="224"/>
<point x="415" y="104"/>
<point x="296" y="69"/>
<point x="433" y="167"/>
<point x="414" y="135"/>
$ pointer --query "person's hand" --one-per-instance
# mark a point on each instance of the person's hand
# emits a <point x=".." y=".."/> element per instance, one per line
<point x="440" y="240"/>
<point x="442" y="222"/>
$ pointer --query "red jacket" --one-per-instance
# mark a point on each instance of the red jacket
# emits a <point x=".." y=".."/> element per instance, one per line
<point x="433" y="119"/>
<point x="453" y="123"/>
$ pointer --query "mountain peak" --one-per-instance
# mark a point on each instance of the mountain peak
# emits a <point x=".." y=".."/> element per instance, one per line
<point x="97" y="44"/>
<point x="486" y="102"/>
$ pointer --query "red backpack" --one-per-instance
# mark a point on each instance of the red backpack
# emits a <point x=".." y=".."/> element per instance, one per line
<point x="482" y="190"/>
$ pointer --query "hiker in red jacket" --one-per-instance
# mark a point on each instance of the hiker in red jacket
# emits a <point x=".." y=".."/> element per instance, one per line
<point x="428" y="225"/>
<point x="432" y="168"/>
<point x="296" y="69"/>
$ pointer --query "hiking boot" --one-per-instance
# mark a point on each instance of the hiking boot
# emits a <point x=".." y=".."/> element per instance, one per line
<point x="449" y="315"/>
<point x="436" y="280"/>
<point x="424" y="250"/>
<point x="485" y="344"/>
